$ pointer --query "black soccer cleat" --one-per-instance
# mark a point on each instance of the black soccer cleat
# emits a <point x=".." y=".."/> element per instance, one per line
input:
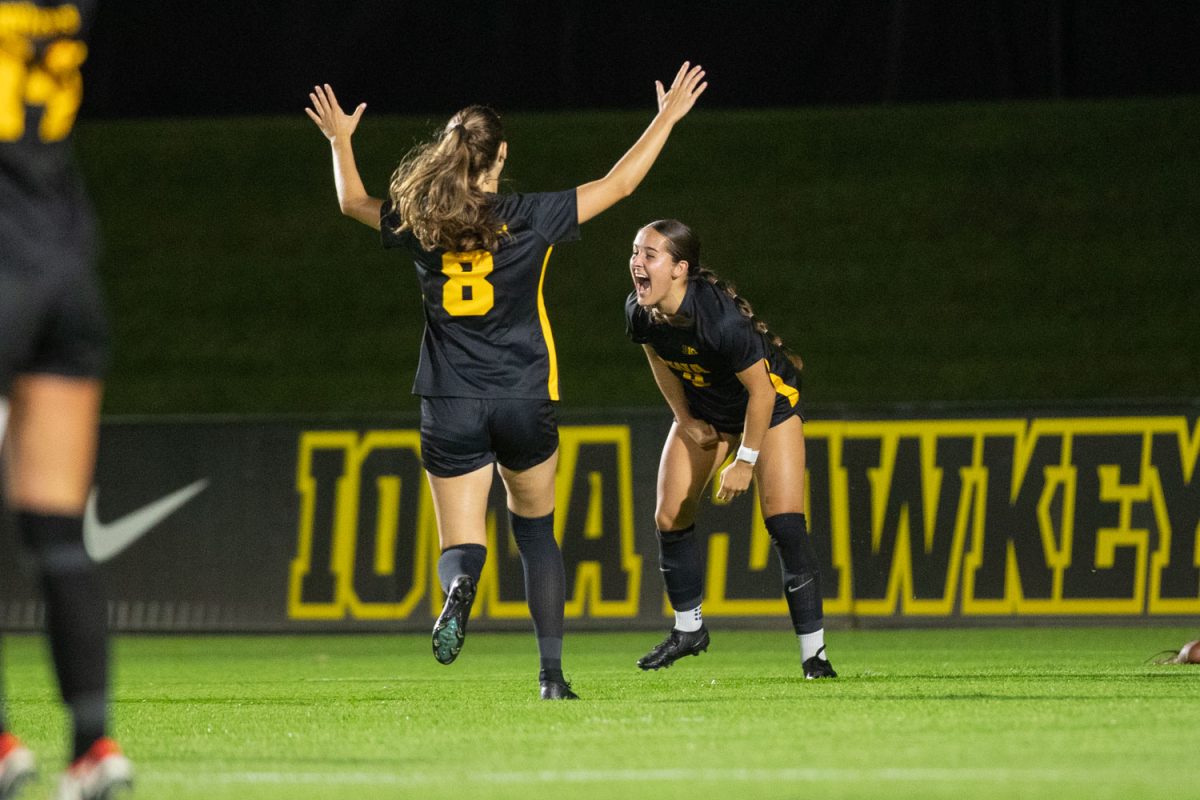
<point x="557" y="690"/>
<point x="818" y="667"/>
<point x="677" y="645"/>
<point x="451" y="627"/>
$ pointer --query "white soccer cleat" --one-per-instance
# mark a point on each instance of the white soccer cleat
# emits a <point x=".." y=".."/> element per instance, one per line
<point x="16" y="765"/>
<point x="99" y="774"/>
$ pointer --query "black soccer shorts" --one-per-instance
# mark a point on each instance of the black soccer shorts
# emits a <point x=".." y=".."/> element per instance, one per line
<point x="462" y="434"/>
<point x="51" y="322"/>
<point x="734" y="423"/>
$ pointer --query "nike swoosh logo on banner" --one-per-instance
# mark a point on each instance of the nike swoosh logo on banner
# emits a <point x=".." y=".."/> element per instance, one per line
<point x="106" y="540"/>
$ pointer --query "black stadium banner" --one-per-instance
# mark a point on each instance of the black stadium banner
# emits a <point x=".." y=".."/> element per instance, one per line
<point x="281" y="525"/>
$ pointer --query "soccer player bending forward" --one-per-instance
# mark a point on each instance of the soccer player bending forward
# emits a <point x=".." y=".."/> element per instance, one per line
<point x="487" y="375"/>
<point x="725" y="376"/>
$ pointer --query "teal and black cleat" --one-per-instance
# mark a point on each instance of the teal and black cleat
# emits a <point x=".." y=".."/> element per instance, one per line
<point x="451" y="627"/>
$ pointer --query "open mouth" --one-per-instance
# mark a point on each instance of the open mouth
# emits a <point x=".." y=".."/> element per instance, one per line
<point x="641" y="282"/>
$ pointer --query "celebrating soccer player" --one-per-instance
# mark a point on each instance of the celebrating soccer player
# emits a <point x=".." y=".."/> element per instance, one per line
<point x="725" y="377"/>
<point x="487" y="375"/>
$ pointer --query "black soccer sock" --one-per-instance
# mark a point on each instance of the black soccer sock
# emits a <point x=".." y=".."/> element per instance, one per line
<point x="461" y="559"/>
<point x="76" y="620"/>
<point x="681" y="561"/>
<point x="801" y="576"/>
<point x="545" y="586"/>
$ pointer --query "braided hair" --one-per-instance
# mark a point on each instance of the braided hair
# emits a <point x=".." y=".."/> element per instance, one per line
<point x="684" y="245"/>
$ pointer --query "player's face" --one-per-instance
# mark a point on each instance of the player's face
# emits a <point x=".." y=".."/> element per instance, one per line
<point x="652" y="267"/>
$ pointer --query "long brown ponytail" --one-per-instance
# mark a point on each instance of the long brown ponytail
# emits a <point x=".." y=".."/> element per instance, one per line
<point x="684" y="245"/>
<point x="435" y="190"/>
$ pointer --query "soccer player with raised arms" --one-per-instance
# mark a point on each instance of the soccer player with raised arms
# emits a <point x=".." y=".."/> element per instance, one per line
<point x="487" y="375"/>
<point x="730" y="384"/>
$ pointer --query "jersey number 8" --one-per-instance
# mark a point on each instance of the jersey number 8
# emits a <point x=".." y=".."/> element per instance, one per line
<point x="467" y="292"/>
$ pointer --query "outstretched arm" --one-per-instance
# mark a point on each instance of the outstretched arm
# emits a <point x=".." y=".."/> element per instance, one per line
<point x="338" y="127"/>
<point x="673" y="105"/>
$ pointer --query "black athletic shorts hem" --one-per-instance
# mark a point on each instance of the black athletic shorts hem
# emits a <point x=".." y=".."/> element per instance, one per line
<point x="782" y="413"/>
<point x="52" y="322"/>
<point x="461" y="434"/>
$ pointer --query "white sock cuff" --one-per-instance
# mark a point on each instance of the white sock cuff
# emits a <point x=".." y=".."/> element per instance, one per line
<point x="812" y="644"/>
<point x="689" y="621"/>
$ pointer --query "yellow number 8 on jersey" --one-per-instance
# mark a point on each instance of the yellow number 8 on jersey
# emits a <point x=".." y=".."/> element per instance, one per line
<point x="467" y="292"/>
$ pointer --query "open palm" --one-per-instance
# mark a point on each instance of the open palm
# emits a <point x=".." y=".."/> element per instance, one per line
<point x="677" y="101"/>
<point x="328" y="115"/>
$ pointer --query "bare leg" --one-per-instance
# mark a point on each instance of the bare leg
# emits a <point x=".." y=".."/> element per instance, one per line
<point x="780" y="469"/>
<point x="531" y="491"/>
<point x="460" y="503"/>
<point x="683" y="471"/>
<point x="51" y="448"/>
<point x="51" y="453"/>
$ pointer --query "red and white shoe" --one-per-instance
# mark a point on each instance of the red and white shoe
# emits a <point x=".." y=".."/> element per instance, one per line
<point x="16" y="765"/>
<point x="99" y="774"/>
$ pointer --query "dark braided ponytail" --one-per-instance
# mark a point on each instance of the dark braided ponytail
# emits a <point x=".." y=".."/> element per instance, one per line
<point x="684" y="245"/>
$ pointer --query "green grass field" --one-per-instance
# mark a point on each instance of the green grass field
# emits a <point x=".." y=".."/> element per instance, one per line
<point x="997" y="713"/>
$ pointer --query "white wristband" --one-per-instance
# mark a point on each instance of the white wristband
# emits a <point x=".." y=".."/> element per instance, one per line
<point x="747" y="455"/>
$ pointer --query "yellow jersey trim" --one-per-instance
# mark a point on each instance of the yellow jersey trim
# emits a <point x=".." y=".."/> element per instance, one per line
<point x="552" y="382"/>
<point x="782" y="388"/>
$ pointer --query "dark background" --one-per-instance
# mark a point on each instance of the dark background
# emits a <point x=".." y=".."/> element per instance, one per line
<point x="948" y="201"/>
<point x="234" y="57"/>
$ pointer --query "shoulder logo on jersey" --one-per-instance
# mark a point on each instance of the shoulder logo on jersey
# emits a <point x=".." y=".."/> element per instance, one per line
<point x="688" y="350"/>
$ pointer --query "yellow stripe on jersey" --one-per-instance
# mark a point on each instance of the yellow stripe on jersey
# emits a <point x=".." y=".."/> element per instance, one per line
<point x="552" y="383"/>
<point x="790" y="392"/>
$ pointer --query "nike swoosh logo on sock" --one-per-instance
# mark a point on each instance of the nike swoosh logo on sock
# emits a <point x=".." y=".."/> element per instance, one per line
<point x="105" y="541"/>
<point x="801" y="586"/>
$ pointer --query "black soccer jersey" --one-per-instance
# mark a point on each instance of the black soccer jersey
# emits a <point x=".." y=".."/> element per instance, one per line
<point x="51" y="313"/>
<point x="707" y="352"/>
<point x="46" y="221"/>
<point x="486" y="329"/>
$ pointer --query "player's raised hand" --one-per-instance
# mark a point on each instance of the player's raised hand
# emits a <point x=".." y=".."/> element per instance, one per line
<point x="677" y="101"/>
<point x="333" y="122"/>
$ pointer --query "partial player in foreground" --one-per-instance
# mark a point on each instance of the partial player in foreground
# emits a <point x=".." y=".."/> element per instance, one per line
<point x="725" y="376"/>
<point x="487" y="376"/>
<point x="53" y="349"/>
